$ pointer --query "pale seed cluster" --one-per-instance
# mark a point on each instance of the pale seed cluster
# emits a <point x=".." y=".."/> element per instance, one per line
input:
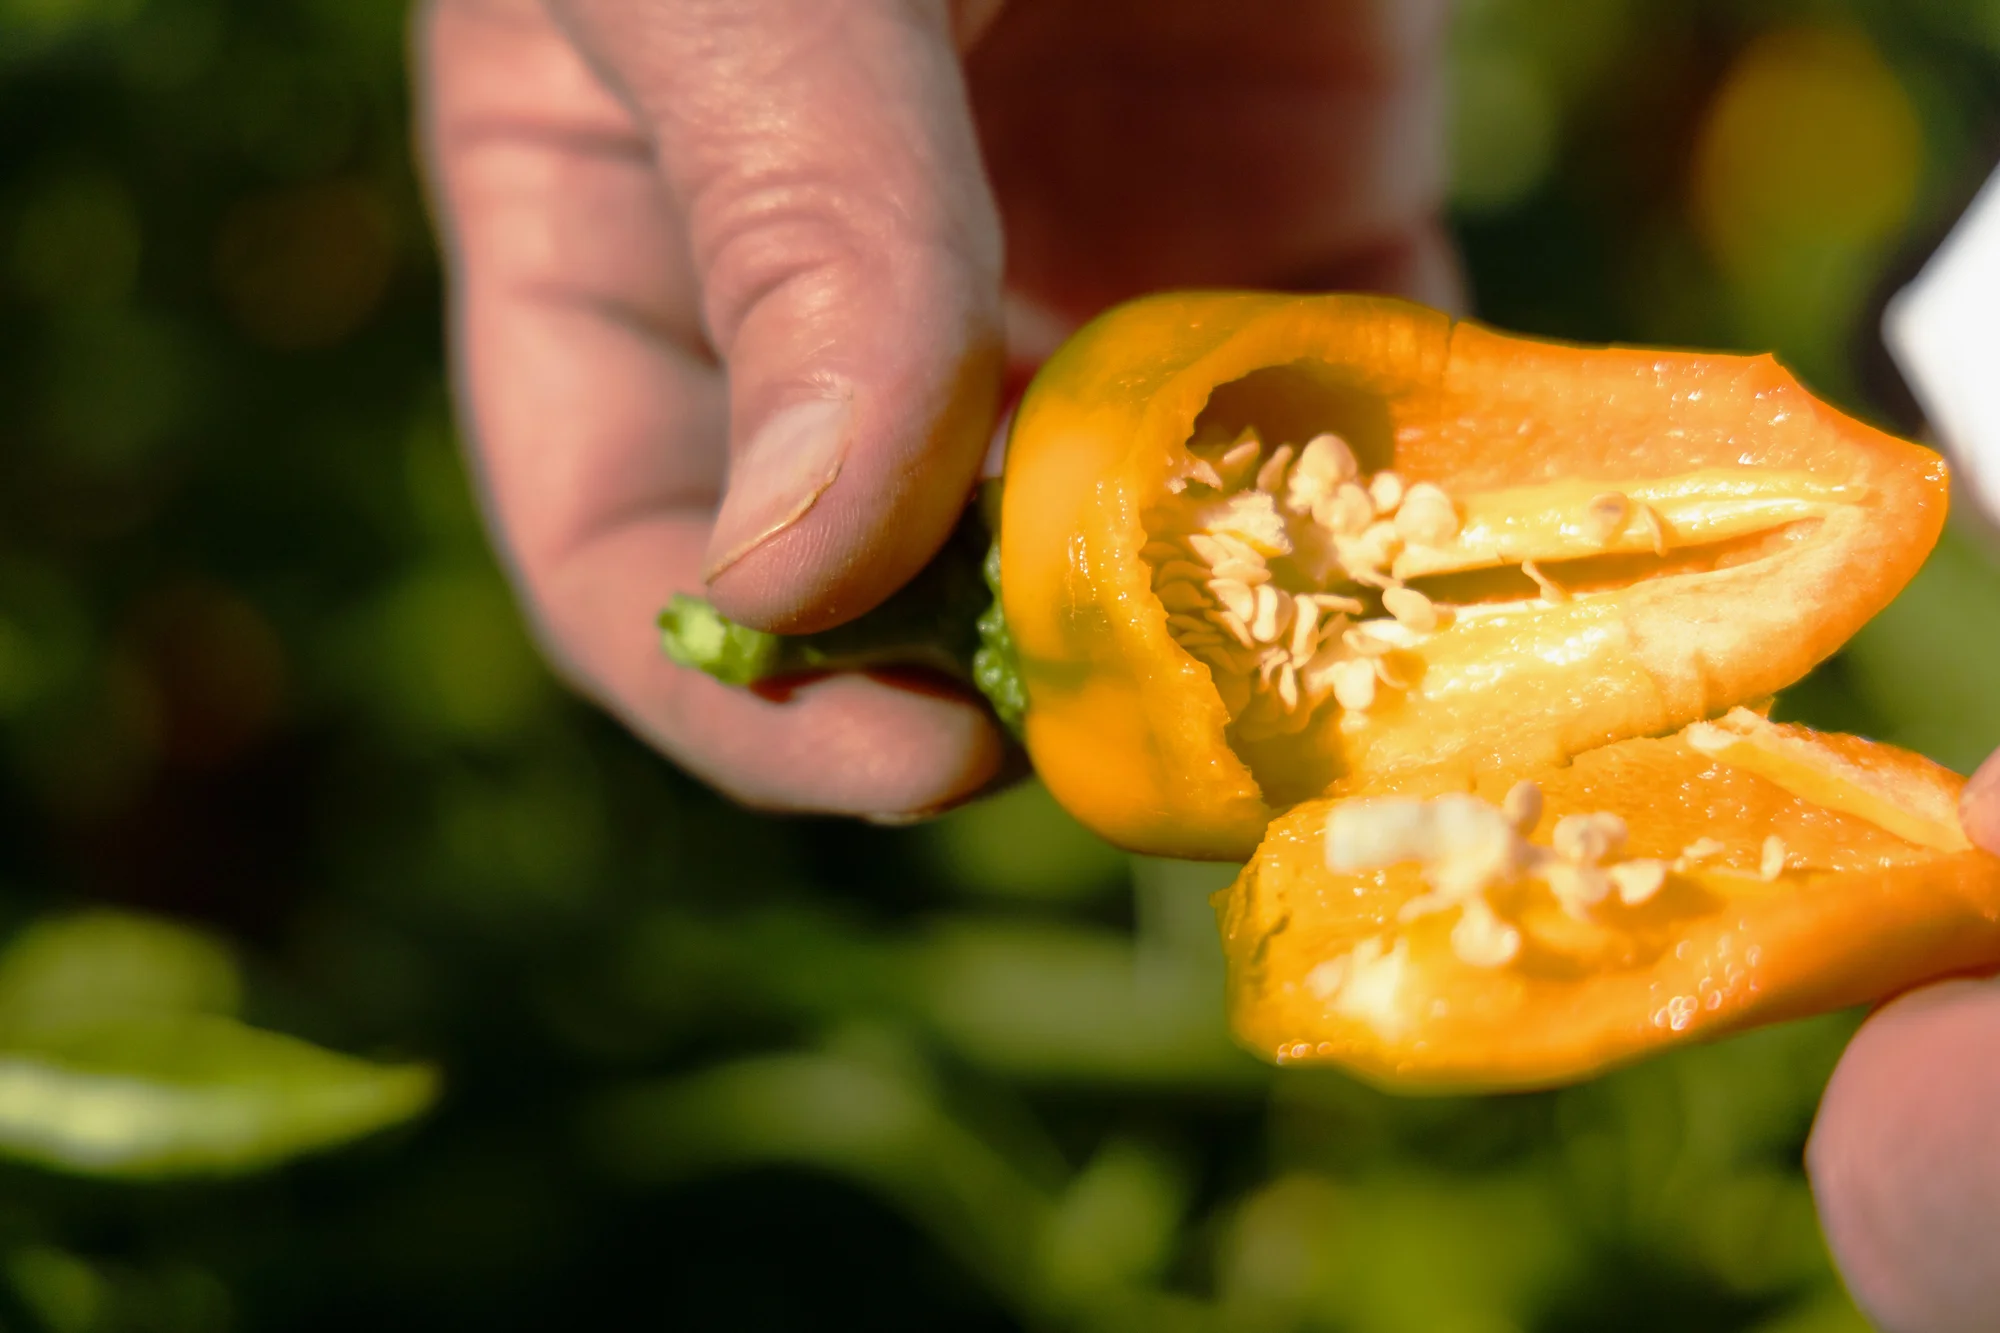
<point x="1470" y="847"/>
<point x="1277" y="570"/>
<point x="1271" y="567"/>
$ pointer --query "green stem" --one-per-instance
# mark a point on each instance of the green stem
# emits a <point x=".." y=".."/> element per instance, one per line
<point x="947" y="619"/>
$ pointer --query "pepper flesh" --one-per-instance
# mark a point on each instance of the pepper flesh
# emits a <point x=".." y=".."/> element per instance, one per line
<point x="1345" y="557"/>
<point x="1877" y="889"/>
<point x="1784" y="526"/>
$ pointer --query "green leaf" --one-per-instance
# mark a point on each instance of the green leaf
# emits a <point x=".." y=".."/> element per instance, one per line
<point x="178" y="1094"/>
<point x="1116" y="1224"/>
<point x="1053" y="1002"/>
<point x="120" y="1056"/>
<point x="62" y="972"/>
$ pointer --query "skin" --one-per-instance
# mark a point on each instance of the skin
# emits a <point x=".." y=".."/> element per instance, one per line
<point x="670" y="224"/>
<point x="732" y="313"/>
<point x="1903" y="1156"/>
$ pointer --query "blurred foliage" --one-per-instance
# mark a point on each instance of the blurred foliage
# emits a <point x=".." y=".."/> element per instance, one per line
<point x="259" y="675"/>
<point x="120" y="1056"/>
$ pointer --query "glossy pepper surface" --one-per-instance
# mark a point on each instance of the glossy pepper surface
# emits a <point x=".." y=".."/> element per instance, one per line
<point x="1631" y="540"/>
<point x="1756" y="872"/>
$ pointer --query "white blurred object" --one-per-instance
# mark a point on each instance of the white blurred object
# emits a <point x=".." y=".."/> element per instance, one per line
<point x="1944" y="331"/>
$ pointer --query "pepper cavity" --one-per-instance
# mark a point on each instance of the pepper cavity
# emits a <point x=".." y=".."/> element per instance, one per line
<point x="1474" y="851"/>
<point x="1287" y="572"/>
<point x="1276" y="569"/>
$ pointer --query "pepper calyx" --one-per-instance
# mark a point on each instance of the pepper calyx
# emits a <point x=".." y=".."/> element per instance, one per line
<point x="947" y="619"/>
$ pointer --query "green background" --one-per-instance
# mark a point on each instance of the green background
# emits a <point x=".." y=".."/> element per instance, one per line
<point x="259" y="675"/>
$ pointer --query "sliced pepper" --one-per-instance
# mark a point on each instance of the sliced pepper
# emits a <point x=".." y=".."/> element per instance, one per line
<point x="1466" y="605"/>
<point x="1655" y="890"/>
<point x="1256" y="549"/>
<point x="1510" y="551"/>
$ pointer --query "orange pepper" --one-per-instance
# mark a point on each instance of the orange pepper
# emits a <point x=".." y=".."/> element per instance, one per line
<point x="1778" y="872"/>
<point x="1742" y="531"/>
<point x="1620" y="543"/>
<point x="1467" y="605"/>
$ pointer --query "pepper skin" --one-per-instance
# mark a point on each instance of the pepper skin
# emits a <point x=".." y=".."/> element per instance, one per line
<point x="1878" y="890"/>
<point x="1774" y="527"/>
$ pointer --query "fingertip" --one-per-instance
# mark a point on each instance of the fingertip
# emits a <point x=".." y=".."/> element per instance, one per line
<point x="1903" y="1163"/>
<point x="1979" y="806"/>
<point x="906" y="466"/>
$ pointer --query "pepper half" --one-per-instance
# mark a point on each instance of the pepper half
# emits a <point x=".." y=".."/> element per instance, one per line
<point x="1654" y="891"/>
<point x="1259" y="549"/>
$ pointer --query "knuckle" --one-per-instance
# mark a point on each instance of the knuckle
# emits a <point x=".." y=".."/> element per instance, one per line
<point x="810" y="242"/>
<point x="798" y="240"/>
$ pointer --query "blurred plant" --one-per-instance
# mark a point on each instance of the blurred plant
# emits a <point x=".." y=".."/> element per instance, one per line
<point x="260" y="674"/>
<point x="120" y="1056"/>
<point x="1806" y="168"/>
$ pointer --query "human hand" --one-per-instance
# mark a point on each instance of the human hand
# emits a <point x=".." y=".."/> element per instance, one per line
<point x="1905" y="1154"/>
<point x="760" y="240"/>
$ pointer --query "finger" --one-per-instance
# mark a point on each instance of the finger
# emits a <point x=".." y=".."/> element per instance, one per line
<point x="1979" y="807"/>
<point x="1903" y="1160"/>
<point x="848" y="257"/>
<point x="598" y="418"/>
<point x="845" y="744"/>
<point x="1905" y="1165"/>
<point x="1138" y="144"/>
<point x="578" y="345"/>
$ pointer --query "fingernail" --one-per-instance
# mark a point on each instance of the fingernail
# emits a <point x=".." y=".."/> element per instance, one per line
<point x="1979" y="807"/>
<point x="776" y="477"/>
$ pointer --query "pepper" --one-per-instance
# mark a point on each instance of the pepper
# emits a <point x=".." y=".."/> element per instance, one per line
<point x="1533" y="549"/>
<point x="1652" y="892"/>
<point x="1469" y="607"/>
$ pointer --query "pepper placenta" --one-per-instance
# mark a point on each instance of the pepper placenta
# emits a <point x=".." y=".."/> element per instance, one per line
<point x="1345" y="557"/>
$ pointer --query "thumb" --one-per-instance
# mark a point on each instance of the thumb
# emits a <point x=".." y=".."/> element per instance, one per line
<point x="1979" y="806"/>
<point x="847" y="251"/>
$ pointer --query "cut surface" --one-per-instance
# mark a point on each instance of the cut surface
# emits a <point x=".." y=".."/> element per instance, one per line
<point x="1261" y="549"/>
<point x="1653" y="891"/>
<point x="1363" y="626"/>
